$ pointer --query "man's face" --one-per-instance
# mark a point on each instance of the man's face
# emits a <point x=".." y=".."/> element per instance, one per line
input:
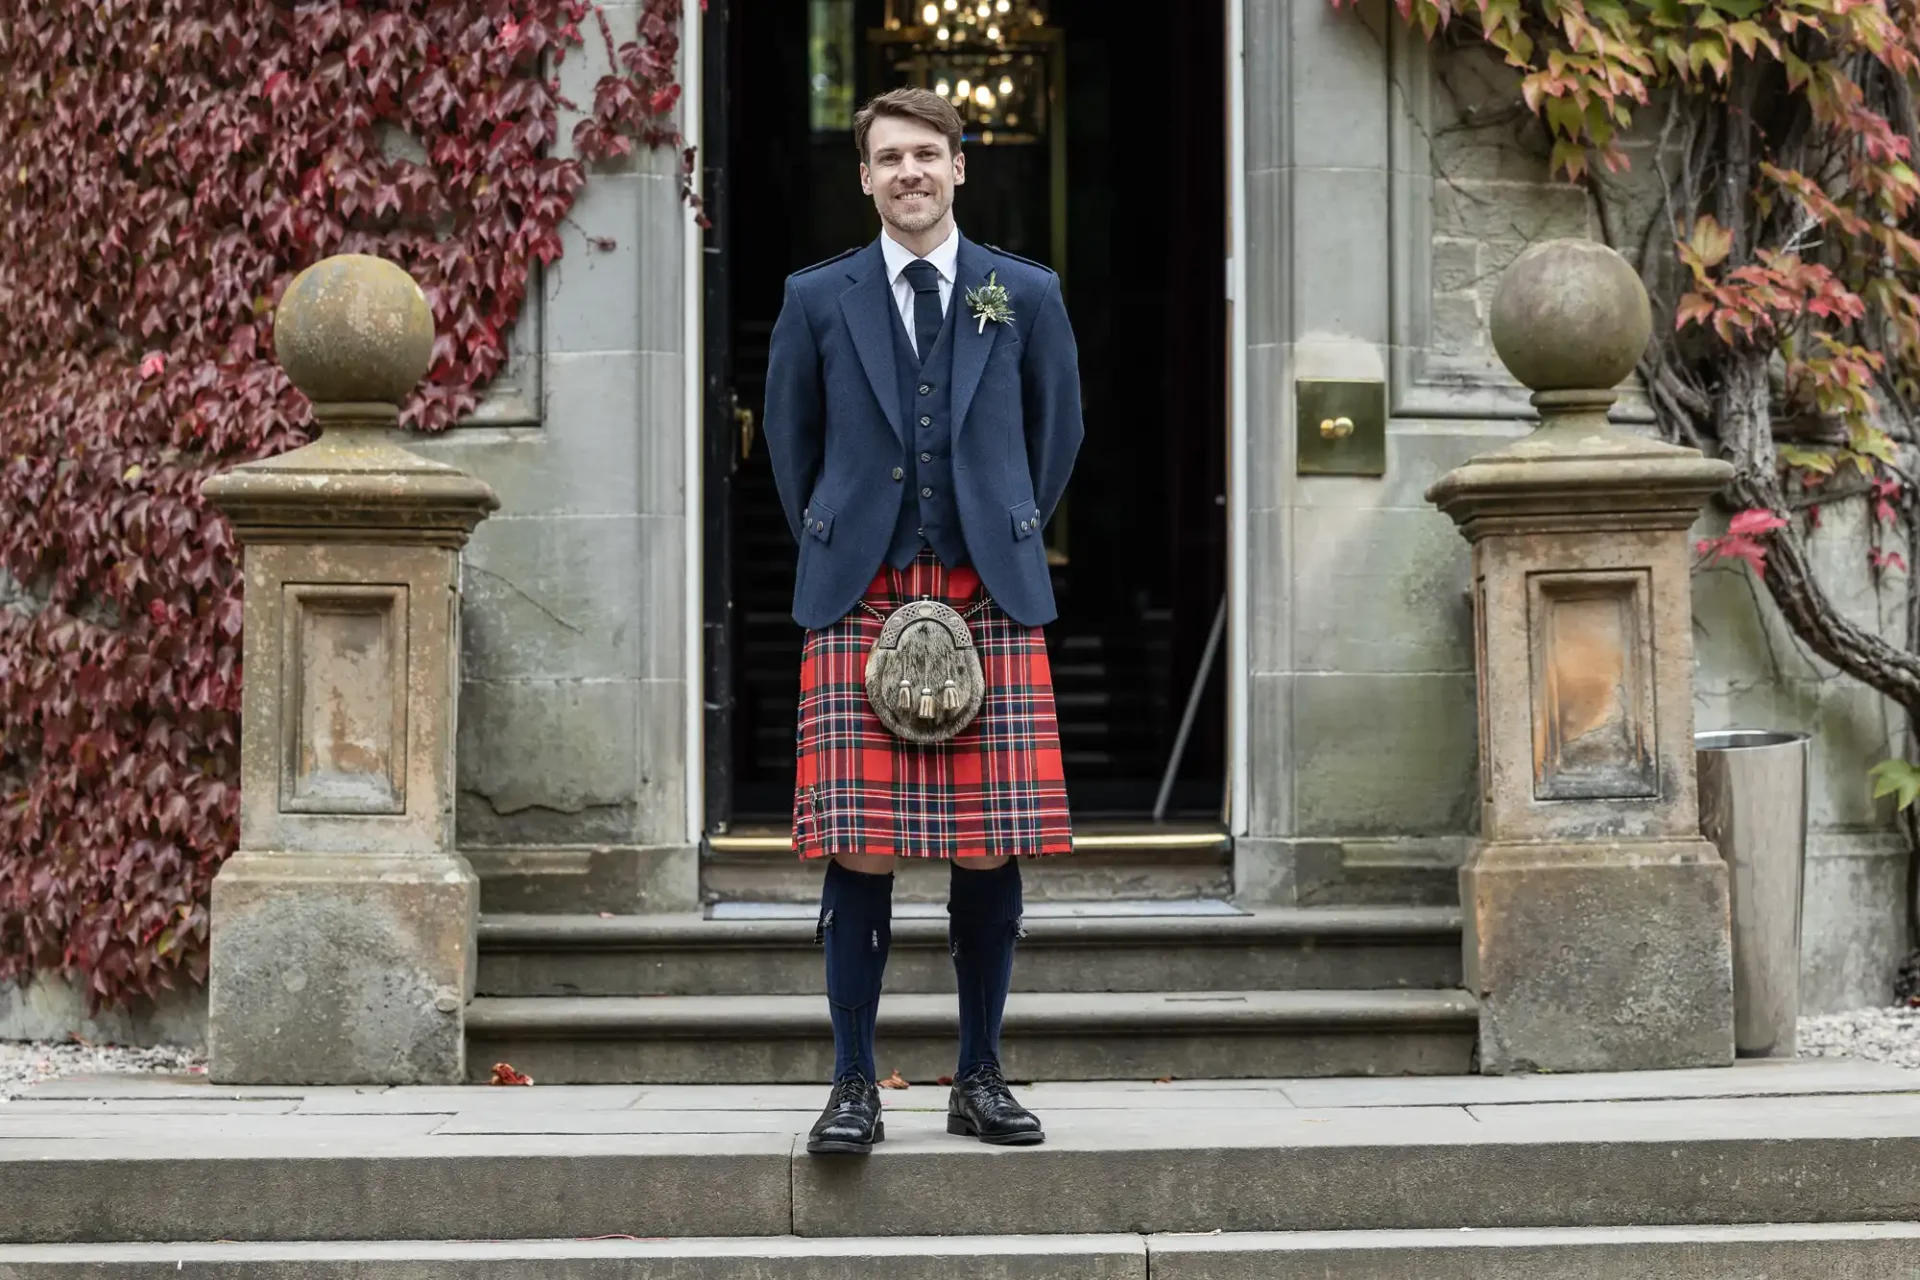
<point x="910" y="173"/>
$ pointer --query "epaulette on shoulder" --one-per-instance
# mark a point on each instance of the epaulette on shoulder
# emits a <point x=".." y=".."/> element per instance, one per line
<point x="1017" y="258"/>
<point x="829" y="262"/>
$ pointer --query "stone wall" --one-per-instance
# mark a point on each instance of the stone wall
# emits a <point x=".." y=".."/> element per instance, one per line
<point x="572" y="739"/>
<point x="1360" y="651"/>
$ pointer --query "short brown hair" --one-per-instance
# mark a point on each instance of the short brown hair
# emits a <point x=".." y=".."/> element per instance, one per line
<point x="911" y="103"/>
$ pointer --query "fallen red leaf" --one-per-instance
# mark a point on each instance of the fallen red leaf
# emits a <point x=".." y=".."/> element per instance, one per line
<point x="503" y="1073"/>
<point x="894" y="1081"/>
<point x="1164" y="1080"/>
<point x="944" y="1080"/>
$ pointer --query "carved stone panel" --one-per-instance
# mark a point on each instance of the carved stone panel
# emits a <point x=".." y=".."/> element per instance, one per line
<point x="1590" y="645"/>
<point x="344" y="723"/>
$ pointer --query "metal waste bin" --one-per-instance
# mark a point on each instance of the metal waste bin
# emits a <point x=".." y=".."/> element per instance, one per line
<point x="1753" y="807"/>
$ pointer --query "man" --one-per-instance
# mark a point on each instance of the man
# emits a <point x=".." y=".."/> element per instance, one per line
<point x="923" y="415"/>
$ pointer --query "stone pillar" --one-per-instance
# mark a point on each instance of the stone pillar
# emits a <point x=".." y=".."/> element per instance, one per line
<point x="343" y="928"/>
<point x="1596" y="915"/>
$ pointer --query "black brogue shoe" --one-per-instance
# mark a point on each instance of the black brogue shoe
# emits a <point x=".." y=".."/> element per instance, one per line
<point x="851" y="1123"/>
<point x="981" y="1106"/>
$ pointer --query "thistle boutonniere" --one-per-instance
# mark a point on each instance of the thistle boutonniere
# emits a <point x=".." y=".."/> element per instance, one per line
<point x="990" y="302"/>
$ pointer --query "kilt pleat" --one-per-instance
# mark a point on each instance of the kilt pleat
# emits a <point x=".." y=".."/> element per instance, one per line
<point x="996" y="788"/>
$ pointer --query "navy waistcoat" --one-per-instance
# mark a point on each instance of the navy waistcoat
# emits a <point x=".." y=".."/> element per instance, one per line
<point x="928" y="514"/>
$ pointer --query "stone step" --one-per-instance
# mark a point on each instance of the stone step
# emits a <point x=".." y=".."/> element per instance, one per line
<point x="1318" y="949"/>
<point x="234" y="1164"/>
<point x="1831" y="1251"/>
<point x="1115" y="1257"/>
<point x="1845" y="1250"/>
<point x="1046" y="1036"/>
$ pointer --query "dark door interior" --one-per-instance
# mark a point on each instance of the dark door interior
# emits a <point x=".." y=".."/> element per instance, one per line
<point x="1129" y="207"/>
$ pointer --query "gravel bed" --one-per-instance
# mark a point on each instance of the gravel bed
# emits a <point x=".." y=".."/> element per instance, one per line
<point x="1880" y="1035"/>
<point x="24" y="1065"/>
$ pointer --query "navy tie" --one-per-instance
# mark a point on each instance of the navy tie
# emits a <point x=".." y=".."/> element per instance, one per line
<point x="925" y="279"/>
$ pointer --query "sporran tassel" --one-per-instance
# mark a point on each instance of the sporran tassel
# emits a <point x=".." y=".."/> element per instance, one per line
<point x="926" y="704"/>
<point x="905" y="701"/>
<point x="951" y="698"/>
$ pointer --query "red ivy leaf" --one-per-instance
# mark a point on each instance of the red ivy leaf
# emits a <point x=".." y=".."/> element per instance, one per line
<point x="167" y="171"/>
<point x="1755" y="520"/>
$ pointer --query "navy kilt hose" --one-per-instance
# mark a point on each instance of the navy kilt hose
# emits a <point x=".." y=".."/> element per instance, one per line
<point x="996" y="788"/>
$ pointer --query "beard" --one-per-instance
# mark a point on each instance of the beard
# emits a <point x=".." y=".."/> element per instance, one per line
<point x="916" y="217"/>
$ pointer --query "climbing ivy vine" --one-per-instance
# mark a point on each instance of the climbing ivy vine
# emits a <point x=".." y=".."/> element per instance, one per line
<point x="166" y="167"/>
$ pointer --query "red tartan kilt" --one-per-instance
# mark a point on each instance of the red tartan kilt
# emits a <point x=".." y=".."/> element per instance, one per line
<point x="996" y="788"/>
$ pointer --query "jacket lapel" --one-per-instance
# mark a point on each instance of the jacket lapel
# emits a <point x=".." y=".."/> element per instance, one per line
<point x="869" y="309"/>
<point x="971" y="344"/>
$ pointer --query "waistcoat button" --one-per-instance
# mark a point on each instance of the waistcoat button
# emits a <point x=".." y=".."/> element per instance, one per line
<point x="926" y="493"/>
<point x="926" y="422"/>
<point x="925" y="390"/>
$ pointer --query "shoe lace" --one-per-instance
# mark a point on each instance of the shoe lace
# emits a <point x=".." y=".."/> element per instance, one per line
<point x="851" y="1087"/>
<point x="987" y="1075"/>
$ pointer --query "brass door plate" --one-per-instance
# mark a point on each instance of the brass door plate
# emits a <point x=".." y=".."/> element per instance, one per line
<point x="1341" y="427"/>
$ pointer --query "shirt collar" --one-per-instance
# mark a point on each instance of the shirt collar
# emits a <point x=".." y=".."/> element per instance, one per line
<point x="945" y="256"/>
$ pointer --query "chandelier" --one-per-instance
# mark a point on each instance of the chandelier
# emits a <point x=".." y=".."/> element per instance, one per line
<point x="986" y="57"/>
<point x="956" y="22"/>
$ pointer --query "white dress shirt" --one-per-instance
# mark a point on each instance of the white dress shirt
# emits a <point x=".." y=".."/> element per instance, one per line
<point x="945" y="259"/>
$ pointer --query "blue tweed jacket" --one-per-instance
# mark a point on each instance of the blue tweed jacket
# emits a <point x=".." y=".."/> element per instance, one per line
<point x="838" y="438"/>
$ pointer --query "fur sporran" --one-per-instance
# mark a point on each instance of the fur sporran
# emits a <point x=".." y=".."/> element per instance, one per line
<point x="923" y="673"/>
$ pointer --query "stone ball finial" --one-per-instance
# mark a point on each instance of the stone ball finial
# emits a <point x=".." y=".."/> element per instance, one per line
<point x="1571" y="315"/>
<point x="354" y="329"/>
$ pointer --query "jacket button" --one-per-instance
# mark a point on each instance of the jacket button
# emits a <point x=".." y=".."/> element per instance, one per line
<point x="926" y="493"/>
<point x="898" y="473"/>
<point x="925" y="390"/>
<point x="1024" y="526"/>
<point x="926" y="422"/>
<point x="819" y="526"/>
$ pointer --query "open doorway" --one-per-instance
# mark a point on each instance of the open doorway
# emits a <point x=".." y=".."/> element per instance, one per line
<point x="1103" y="154"/>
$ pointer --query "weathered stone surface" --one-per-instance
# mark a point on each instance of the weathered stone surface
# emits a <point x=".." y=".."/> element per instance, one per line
<point x="1379" y="590"/>
<point x="1854" y="931"/>
<point x="341" y="969"/>
<point x="576" y="754"/>
<point x="343" y="752"/>
<point x="342" y="935"/>
<point x="1854" y="1250"/>
<point x="1391" y="755"/>
<point x="47" y="1007"/>
<point x="621" y="877"/>
<point x="385" y="1179"/>
<point x="1596" y="917"/>
<point x="1327" y="949"/>
<point x="1323" y="872"/>
<point x="1048" y="1036"/>
<point x="354" y="329"/>
<point x="1828" y="1143"/>
<point x="1571" y="315"/>
<point x="1608" y="957"/>
<point x="1105" y="1257"/>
